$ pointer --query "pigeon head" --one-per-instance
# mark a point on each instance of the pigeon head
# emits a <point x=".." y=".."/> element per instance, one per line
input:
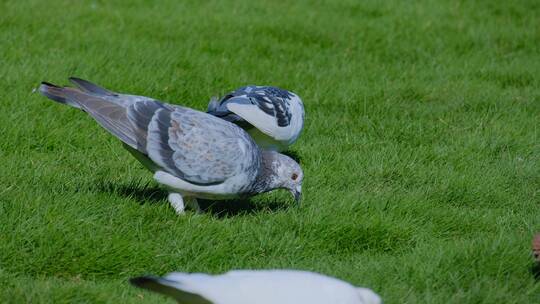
<point x="290" y="175"/>
<point x="281" y="172"/>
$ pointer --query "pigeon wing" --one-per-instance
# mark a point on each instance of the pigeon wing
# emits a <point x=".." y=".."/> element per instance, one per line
<point x="194" y="146"/>
<point x="266" y="108"/>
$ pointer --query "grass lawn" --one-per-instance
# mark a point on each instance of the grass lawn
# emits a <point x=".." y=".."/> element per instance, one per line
<point x="421" y="148"/>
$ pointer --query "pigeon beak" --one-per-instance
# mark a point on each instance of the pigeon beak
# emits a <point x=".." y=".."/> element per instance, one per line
<point x="297" y="193"/>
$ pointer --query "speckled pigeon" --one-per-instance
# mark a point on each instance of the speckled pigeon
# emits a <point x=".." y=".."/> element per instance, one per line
<point x="193" y="154"/>
<point x="272" y="116"/>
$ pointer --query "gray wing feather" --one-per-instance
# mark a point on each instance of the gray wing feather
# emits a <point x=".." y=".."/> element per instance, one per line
<point x="140" y="115"/>
<point x="158" y="146"/>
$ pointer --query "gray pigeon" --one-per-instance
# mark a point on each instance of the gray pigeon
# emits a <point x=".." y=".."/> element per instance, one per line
<point x="193" y="154"/>
<point x="272" y="116"/>
<point x="257" y="287"/>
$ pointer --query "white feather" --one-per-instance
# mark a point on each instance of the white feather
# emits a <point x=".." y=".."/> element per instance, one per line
<point x="271" y="287"/>
<point x="223" y="190"/>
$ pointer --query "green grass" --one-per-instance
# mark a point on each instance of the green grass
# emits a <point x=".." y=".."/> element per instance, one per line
<point x="421" y="148"/>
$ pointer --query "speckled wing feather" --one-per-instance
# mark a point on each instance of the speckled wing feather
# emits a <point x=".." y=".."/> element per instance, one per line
<point x="196" y="147"/>
<point x="270" y="100"/>
<point x="272" y="116"/>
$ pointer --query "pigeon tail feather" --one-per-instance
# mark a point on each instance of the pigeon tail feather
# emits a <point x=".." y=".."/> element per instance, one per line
<point x="57" y="94"/>
<point x="110" y="115"/>
<point x="89" y="87"/>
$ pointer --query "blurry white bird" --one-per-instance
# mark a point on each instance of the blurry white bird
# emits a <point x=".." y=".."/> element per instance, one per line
<point x="257" y="287"/>
<point x="195" y="155"/>
<point x="272" y="116"/>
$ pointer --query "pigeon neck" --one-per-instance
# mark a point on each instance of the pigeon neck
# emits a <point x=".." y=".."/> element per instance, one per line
<point x="267" y="178"/>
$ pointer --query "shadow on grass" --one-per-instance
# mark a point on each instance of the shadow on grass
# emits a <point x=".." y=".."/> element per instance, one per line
<point x="146" y="193"/>
<point x="143" y="193"/>
<point x="239" y="207"/>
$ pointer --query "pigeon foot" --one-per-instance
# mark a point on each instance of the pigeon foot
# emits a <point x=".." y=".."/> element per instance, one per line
<point x="177" y="202"/>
